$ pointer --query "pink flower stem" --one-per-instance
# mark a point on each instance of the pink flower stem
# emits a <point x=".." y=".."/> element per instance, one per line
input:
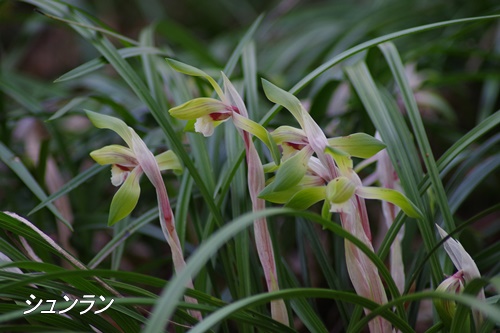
<point x="256" y="182"/>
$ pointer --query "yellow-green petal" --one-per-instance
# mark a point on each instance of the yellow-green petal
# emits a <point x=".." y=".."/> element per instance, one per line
<point x="357" y="144"/>
<point x="342" y="158"/>
<point x="197" y="108"/>
<point x="126" y="198"/>
<point x="193" y="71"/>
<point x="291" y="172"/>
<point x="112" y="123"/>
<point x="114" y="154"/>
<point x="339" y="190"/>
<point x="259" y="131"/>
<point x="392" y="196"/>
<point x="307" y="197"/>
<point x="168" y="160"/>
<point x="289" y="134"/>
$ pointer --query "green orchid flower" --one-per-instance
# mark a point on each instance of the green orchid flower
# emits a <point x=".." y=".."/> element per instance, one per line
<point x="207" y="113"/>
<point x="315" y="168"/>
<point x="128" y="164"/>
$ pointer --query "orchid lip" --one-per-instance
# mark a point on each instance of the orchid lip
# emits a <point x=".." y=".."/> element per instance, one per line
<point x="217" y="116"/>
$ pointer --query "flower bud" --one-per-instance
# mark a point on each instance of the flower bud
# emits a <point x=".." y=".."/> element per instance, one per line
<point x="446" y="308"/>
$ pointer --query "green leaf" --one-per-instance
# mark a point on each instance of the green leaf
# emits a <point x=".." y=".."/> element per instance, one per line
<point x="15" y="164"/>
<point x="388" y="120"/>
<point x="97" y="63"/>
<point x="70" y="105"/>
<point x="120" y="237"/>
<point x="398" y="71"/>
<point x="392" y="196"/>
<point x="72" y="184"/>
<point x="167" y="303"/>
<point x="365" y="46"/>
<point x="357" y="144"/>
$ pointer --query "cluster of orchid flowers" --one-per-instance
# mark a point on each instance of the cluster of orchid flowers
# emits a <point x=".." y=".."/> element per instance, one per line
<point x="308" y="168"/>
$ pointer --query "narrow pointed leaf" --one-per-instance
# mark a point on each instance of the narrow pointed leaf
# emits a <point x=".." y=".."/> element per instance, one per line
<point x="97" y="63"/>
<point x="15" y="164"/>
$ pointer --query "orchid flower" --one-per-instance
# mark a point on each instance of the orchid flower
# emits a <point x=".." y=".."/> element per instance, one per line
<point x="207" y="114"/>
<point x="335" y="182"/>
<point x="467" y="271"/>
<point x="127" y="166"/>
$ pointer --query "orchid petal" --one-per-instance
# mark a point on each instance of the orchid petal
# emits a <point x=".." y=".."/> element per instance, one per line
<point x="112" y="123"/>
<point x="290" y="172"/>
<point x="200" y="107"/>
<point x="126" y="198"/>
<point x="284" y="98"/>
<point x="340" y="190"/>
<point x="392" y="196"/>
<point x="259" y="131"/>
<point x="270" y="167"/>
<point x="284" y="196"/>
<point x="343" y="160"/>
<point x="204" y="125"/>
<point x="289" y="134"/>
<point x="460" y="258"/>
<point x="316" y="167"/>
<point x="315" y="135"/>
<point x="168" y="160"/>
<point x="357" y="144"/>
<point x="307" y="197"/>
<point x="114" y="154"/>
<point x="280" y="197"/>
<point x="233" y="97"/>
<point x="118" y="175"/>
<point x="193" y="71"/>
